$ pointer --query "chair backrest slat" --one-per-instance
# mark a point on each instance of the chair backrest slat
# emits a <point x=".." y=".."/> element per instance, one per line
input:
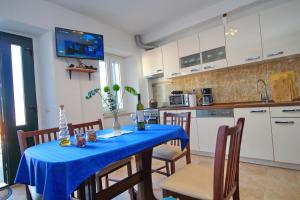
<point x="179" y="119"/>
<point x="234" y="134"/>
<point x="36" y="137"/>
<point x="86" y="126"/>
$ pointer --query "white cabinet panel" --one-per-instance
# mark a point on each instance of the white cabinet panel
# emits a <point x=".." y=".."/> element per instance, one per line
<point x="212" y="41"/>
<point x="152" y="62"/>
<point x="208" y="130"/>
<point x="188" y="46"/>
<point x="171" y="60"/>
<point x="245" y="45"/>
<point x="257" y="136"/>
<point x="280" y="30"/>
<point x="286" y="138"/>
<point x="194" y="140"/>
<point x="286" y="111"/>
<point x="189" y="55"/>
<point x="212" y="38"/>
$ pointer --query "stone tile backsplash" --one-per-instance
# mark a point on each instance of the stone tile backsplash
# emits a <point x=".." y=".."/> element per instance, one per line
<point x="232" y="84"/>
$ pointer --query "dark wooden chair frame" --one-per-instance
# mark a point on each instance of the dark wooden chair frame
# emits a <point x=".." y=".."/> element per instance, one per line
<point x="230" y="189"/>
<point x="98" y="178"/>
<point x="38" y="138"/>
<point x="175" y="119"/>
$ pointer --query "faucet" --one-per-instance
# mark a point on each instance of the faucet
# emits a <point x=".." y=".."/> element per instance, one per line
<point x="264" y="95"/>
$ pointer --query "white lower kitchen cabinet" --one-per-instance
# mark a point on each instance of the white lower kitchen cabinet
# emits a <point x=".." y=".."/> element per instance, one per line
<point x="208" y="130"/>
<point x="286" y="139"/>
<point x="194" y="139"/>
<point x="257" y="135"/>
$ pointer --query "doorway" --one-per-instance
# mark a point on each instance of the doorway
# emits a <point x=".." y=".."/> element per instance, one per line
<point x="17" y="99"/>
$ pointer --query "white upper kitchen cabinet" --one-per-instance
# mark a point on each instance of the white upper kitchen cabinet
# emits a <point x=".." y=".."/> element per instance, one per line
<point x="243" y="41"/>
<point x="152" y="62"/>
<point x="257" y="136"/>
<point x="171" y="60"/>
<point x="212" y="48"/>
<point x="189" y="55"/>
<point x="280" y="30"/>
<point x="188" y="46"/>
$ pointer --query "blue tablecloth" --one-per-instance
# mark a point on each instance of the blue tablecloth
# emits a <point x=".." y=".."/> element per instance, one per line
<point x="57" y="171"/>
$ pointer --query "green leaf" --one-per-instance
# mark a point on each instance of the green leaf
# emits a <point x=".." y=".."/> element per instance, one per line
<point x="131" y="90"/>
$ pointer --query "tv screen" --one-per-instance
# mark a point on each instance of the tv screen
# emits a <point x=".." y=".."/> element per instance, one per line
<point x="78" y="44"/>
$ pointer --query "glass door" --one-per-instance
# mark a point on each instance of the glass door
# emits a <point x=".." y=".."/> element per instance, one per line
<point x="18" y="99"/>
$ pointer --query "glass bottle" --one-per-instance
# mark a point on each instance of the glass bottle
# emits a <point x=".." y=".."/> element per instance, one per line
<point x="63" y="135"/>
<point x="140" y="114"/>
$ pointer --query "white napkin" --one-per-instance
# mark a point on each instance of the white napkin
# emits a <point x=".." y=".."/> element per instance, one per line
<point x="114" y="134"/>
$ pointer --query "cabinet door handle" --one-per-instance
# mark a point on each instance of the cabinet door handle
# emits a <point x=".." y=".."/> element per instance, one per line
<point x="284" y="122"/>
<point x="174" y="74"/>
<point x="258" y="111"/>
<point x="209" y="67"/>
<point x="252" y="58"/>
<point x="159" y="70"/>
<point x="291" y="110"/>
<point x="275" y="54"/>
<point x="194" y="70"/>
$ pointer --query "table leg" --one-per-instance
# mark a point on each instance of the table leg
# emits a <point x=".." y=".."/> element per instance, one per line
<point x="144" y="164"/>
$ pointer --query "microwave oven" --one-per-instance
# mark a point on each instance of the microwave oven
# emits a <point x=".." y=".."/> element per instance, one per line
<point x="179" y="100"/>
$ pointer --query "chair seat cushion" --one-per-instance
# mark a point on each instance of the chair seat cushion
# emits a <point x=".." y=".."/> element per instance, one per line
<point x="167" y="152"/>
<point x="114" y="166"/>
<point x="193" y="180"/>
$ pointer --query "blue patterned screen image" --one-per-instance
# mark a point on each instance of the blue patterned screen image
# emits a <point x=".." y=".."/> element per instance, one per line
<point x="78" y="44"/>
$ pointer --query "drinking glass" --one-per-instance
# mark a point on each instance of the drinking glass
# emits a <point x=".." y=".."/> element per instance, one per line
<point x="147" y="118"/>
<point x="133" y="118"/>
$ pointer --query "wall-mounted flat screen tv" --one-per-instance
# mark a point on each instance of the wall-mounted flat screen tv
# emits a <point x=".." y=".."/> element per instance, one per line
<point x="78" y="44"/>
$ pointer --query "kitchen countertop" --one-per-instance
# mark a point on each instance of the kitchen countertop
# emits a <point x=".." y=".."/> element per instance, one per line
<point x="236" y="105"/>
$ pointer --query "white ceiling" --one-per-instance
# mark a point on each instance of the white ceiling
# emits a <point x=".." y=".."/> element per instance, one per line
<point x="136" y="16"/>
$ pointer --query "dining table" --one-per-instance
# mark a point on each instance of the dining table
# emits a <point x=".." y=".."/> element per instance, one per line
<point x="57" y="171"/>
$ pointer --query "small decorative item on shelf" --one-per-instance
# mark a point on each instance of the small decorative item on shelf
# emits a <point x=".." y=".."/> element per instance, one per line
<point x="80" y="140"/>
<point x="63" y="134"/>
<point x="110" y="99"/>
<point x="91" y="135"/>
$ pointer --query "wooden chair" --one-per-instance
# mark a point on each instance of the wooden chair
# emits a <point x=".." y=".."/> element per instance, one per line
<point x="171" y="152"/>
<point x="199" y="182"/>
<point x="31" y="138"/>
<point x="104" y="173"/>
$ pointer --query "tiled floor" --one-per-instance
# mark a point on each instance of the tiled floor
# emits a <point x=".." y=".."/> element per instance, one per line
<point x="256" y="182"/>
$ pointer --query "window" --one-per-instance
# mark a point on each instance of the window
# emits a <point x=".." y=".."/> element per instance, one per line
<point x="18" y="85"/>
<point x="110" y="74"/>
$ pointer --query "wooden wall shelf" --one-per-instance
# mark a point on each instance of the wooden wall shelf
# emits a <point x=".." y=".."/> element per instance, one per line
<point x="82" y="70"/>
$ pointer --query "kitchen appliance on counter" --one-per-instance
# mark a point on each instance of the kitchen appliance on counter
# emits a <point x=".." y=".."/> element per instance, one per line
<point x="153" y="103"/>
<point x="178" y="100"/>
<point x="152" y="116"/>
<point x="207" y="97"/>
<point x="192" y="100"/>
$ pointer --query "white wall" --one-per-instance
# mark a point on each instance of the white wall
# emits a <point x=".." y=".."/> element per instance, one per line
<point x="38" y="18"/>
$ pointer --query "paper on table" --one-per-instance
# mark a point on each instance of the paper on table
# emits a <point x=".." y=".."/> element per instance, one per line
<point x="112" y="134"/>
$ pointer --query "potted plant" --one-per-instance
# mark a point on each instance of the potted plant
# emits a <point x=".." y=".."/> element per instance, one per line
<point x="109" y="98"/>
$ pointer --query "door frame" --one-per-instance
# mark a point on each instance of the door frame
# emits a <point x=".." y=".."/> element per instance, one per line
<point x="10" y="145"/>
